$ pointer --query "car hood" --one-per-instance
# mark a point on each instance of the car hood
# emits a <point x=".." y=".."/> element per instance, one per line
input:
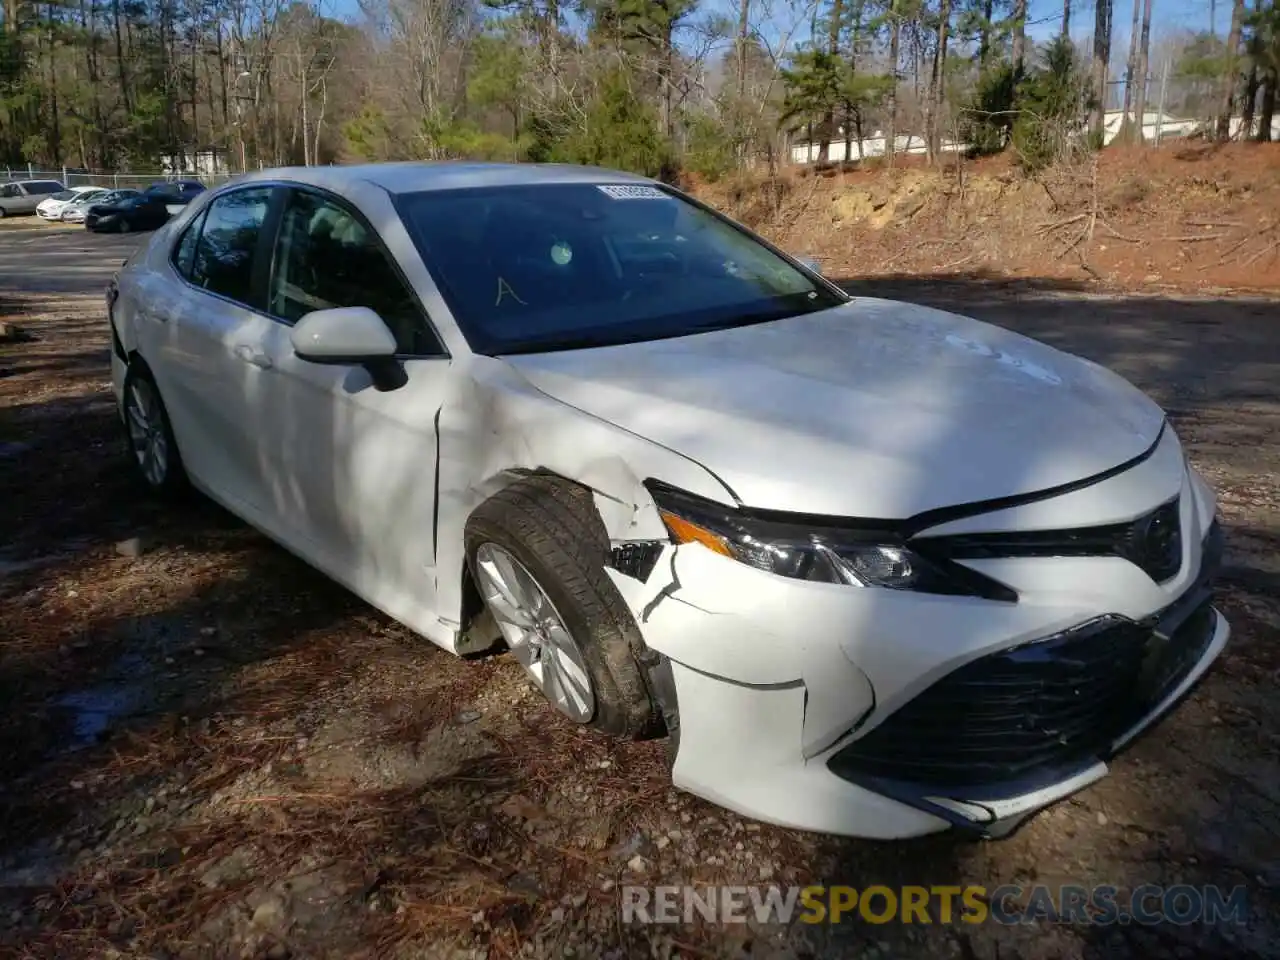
<point x="872" y="409"/>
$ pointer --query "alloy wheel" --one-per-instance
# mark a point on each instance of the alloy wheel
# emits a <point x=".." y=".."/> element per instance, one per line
<point x="535" y="632"/>
<point x="147" y="431"/>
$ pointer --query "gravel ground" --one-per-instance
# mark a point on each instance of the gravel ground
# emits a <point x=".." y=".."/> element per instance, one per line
<point x="211" y="751"/>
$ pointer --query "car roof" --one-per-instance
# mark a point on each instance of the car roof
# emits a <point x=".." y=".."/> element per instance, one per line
<point x="86" y="189"/>
<point x="414" y="175"/>
<point x="37" y="180"/>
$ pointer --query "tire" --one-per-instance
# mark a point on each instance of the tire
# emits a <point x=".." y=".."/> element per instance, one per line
<point x="158" y="466"/>
<point x="125" y="226"/>
<point x="551" y="528"/>
<point x="2" y="213"/>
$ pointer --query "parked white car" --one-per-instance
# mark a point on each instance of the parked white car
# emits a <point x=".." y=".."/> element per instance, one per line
<point x="73" y="211"/>
<point x="874" y="568"/>
<point x="51" y="208"/>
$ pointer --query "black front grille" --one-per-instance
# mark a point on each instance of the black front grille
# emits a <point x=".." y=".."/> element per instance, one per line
<point x="1048" y="704"/>
<point x="1153" y="542"/>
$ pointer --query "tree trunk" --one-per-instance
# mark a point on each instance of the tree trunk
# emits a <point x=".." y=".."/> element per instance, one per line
<point x="55" y="137"/>
<point x="833" y="48"/>
<point x="984" y="33"/>
<point x="1230" y="77"/>
<point x="1125" y="134"/>
<point x="1019" y="33"/>
<point x="1100" y="73"/>
<point x="895" y="33"/>
<point x="1066" y="19"/>
<point x="1252" y="84"/>
<point x="937" y="83"/>
<point x="124" y="77"/>
<point x="1144" y="52"/>
<point x="744" y="24"/>
<point x="306" y="125"/>
<point x="1267" y="113"/>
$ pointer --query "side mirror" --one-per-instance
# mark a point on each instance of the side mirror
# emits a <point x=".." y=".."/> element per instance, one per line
<point x="349" y="336"/>
<point x="810" y="263"/>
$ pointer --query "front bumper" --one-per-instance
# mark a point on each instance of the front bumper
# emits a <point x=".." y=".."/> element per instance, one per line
<point x="826" y="707"/>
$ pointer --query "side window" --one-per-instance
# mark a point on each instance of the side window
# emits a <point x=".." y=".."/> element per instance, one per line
<point x="223" y="261"/>
<point x="327" y="258"/>
<point x="184" y="251"/>
<point x="10" y="190"/>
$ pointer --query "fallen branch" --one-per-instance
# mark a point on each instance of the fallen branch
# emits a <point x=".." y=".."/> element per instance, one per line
<point x="1059" y="224"/>
<point x="1196" y="237"/>
<point x="1263" y="252"/>
<point x="1117" y="234"/>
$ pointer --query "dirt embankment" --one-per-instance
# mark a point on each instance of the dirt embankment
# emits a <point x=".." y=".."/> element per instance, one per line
<point x="1186" y="217"/>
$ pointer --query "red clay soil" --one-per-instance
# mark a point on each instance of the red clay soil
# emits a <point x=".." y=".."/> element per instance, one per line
<point x="1187" y="216"/>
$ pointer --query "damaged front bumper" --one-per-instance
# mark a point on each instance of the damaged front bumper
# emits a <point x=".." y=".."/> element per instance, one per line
<point x="878" y="713"/>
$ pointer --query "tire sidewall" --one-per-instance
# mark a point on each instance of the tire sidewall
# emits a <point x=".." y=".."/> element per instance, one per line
<point x="174" y="475"/>
<point x="605" y="715"/>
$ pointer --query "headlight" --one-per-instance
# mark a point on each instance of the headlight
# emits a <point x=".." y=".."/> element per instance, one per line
<point x="868" y="556"/>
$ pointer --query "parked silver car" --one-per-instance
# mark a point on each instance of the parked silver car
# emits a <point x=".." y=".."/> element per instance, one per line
<point x="23" y="196"/>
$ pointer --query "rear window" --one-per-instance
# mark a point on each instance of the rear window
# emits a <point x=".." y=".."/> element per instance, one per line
<point x="44" y="186"/>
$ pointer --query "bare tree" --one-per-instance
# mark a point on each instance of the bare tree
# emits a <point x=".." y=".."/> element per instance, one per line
<point x="1101" y="59"/>
<point x="1230" y="73"/>
<point x="1144" y="52"/>
<point x="1019" y="34"/>
<point x="891" y="104"/>
<point x="937" y="84"/>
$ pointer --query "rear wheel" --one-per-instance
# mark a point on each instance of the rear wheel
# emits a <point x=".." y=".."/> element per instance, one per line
<point x="152" y="448"/>
<point x="536" y="552"/>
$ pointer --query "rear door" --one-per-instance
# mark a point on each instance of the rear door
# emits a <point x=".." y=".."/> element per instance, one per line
<point x="209" y="340"/>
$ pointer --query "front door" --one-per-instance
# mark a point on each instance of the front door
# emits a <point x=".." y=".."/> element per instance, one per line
<point x="352" y="469"/>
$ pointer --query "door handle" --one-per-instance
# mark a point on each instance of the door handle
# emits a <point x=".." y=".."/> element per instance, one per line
<point x="254" y="356"/>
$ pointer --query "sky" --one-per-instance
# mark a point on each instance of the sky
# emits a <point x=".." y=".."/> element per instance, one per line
<point x="1044" y="17"/>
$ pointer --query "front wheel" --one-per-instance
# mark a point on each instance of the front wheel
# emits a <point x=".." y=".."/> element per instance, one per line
<point x="536" y="552"/>
<point x="125" y="226"/>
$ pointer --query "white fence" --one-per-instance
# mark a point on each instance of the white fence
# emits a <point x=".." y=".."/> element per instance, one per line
<point x="114" y="181"/>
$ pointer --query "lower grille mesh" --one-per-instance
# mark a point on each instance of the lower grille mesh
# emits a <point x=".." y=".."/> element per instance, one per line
<point x="1050" y="703"/>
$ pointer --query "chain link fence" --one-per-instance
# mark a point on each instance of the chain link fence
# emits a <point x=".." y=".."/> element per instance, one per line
<point x="72" y="177"/>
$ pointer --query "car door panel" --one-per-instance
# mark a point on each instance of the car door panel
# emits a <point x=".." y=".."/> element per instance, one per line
<point x="352" y="469"/>
<point x="203" y="333"/>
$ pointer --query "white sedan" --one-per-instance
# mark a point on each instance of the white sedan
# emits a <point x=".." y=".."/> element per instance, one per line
<point x="51" y="208"/>
<point x="874" y="568"/>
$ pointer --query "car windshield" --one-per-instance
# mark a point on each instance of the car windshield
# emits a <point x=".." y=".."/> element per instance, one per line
<point x="65" y="195"/>
<point x="543" y="267"/>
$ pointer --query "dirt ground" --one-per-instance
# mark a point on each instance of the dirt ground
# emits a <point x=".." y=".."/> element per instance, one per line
<point x="208" y="750"/>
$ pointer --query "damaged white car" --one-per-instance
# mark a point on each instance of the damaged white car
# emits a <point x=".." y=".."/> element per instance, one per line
<point x="874" y="568"/>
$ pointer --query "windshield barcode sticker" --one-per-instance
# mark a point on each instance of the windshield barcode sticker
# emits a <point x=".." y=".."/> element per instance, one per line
<point x="629" y="191"/>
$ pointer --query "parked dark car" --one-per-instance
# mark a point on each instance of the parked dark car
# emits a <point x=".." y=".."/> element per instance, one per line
<point x="178" y="193"/>
<point x="141" y="211"/>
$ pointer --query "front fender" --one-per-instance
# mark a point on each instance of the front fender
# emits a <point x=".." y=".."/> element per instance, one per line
<point x="500" y="427"/>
